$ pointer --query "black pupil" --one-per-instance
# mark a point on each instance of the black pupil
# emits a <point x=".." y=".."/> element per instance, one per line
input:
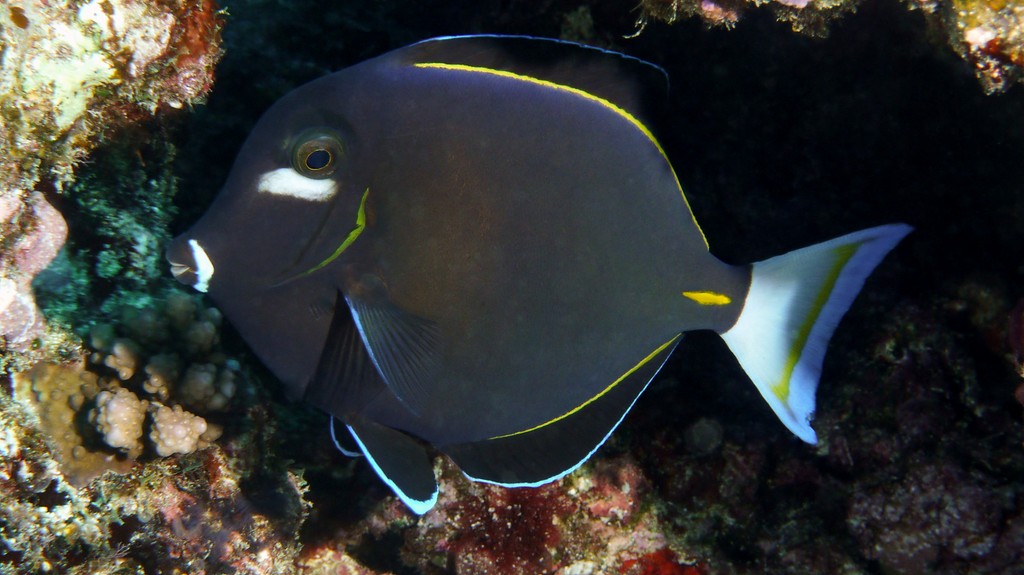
<point x="318" y="159"/>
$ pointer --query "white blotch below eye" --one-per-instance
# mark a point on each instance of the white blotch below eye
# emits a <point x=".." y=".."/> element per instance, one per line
<point x="204" y="266"/>
<point x="288" y="182"/>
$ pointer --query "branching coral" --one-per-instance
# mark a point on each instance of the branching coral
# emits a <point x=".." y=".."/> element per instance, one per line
<point x="176" y="431"/>
<point x="169" y="351"/>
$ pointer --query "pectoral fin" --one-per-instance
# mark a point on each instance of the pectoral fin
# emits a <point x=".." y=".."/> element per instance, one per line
<point x="402" y="346"/>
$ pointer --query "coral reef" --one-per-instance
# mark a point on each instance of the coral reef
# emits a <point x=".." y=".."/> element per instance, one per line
<point x="176" y="431"/>
<point x="935" y="510"/>
<point x="72" y="70"/>
<point x="779" y="140"/>
<point x="171" y="349"/>
<point x="86" y="477"/>
<point x="599" y="520"/>
<point x="30" y="236"/>
<point x="71" y="76"/>
<point x="988" y="34"/>
<point x="807" y="16"/>
<point x="187" y="516"/>
<point x="92" y="411"/>
<point x="118" y="415"/>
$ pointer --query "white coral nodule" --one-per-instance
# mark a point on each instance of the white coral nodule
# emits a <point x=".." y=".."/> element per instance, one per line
<point x="119" y="415"/>
<point x="176" y="431"/>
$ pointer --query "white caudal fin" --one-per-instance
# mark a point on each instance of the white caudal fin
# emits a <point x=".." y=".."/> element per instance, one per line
<point x="794" y="304"/>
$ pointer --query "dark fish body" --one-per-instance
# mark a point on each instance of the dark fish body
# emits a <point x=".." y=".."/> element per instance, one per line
<point x="479" y="243"/>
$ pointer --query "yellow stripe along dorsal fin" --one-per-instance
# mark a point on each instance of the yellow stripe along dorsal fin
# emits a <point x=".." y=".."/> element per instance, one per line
<point x="634" y="85"/>
<point x="612" y="80"/>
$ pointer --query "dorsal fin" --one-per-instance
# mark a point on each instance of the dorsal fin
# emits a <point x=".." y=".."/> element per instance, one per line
<point x="636" y="86"/>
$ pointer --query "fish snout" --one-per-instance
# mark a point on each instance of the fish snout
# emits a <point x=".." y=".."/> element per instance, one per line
<point x="190" y="264"/>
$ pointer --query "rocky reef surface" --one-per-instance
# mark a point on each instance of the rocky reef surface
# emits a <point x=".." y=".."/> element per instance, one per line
<point x="138" y="435"/>
<point x="988" y="34"/>
<point x="73" y="76"/>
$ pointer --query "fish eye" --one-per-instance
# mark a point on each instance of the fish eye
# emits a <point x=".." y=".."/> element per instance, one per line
<point x="319" y="159"/>
<point x="317" y="156"/>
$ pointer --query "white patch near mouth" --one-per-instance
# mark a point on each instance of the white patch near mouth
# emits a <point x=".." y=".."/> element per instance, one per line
<point x="204" y="266"/>
<point x="288" y="182"/>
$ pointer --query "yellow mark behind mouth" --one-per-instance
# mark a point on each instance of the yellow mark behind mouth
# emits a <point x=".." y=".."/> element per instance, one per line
<point x="360" y="225"/>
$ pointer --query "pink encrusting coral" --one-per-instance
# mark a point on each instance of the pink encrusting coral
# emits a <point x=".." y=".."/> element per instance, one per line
<point x="597" y="520"/>
<point x="30" y="236"/>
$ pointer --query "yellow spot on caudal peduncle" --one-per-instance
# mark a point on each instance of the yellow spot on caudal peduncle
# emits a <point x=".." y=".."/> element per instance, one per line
<point x="708" y="297"/>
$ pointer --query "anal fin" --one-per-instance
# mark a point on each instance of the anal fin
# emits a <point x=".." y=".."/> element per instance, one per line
<point x="400" y="461"/>
<point x="344" y="443"/>
<point x="552" y="450"/>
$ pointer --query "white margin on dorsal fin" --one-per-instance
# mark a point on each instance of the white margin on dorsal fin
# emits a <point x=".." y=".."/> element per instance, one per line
<point x="793" y="306"/>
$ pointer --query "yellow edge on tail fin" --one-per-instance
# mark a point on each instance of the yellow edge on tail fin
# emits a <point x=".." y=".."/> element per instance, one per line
<point x="793" y="306"/>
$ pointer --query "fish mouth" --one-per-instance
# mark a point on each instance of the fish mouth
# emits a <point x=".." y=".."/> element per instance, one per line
<point x="190" y="264"/>
<point x="183" y="273"/>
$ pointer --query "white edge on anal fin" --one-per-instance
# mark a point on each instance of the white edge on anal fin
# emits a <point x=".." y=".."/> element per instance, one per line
<point x="418" y="507"/>
<point x="793" y="306"/>
<point x="578" y="464"/>
<point x="337" y="444"/>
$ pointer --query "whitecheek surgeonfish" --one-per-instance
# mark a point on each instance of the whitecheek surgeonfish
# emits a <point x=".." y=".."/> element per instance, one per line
<point x="477" y="243"/>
